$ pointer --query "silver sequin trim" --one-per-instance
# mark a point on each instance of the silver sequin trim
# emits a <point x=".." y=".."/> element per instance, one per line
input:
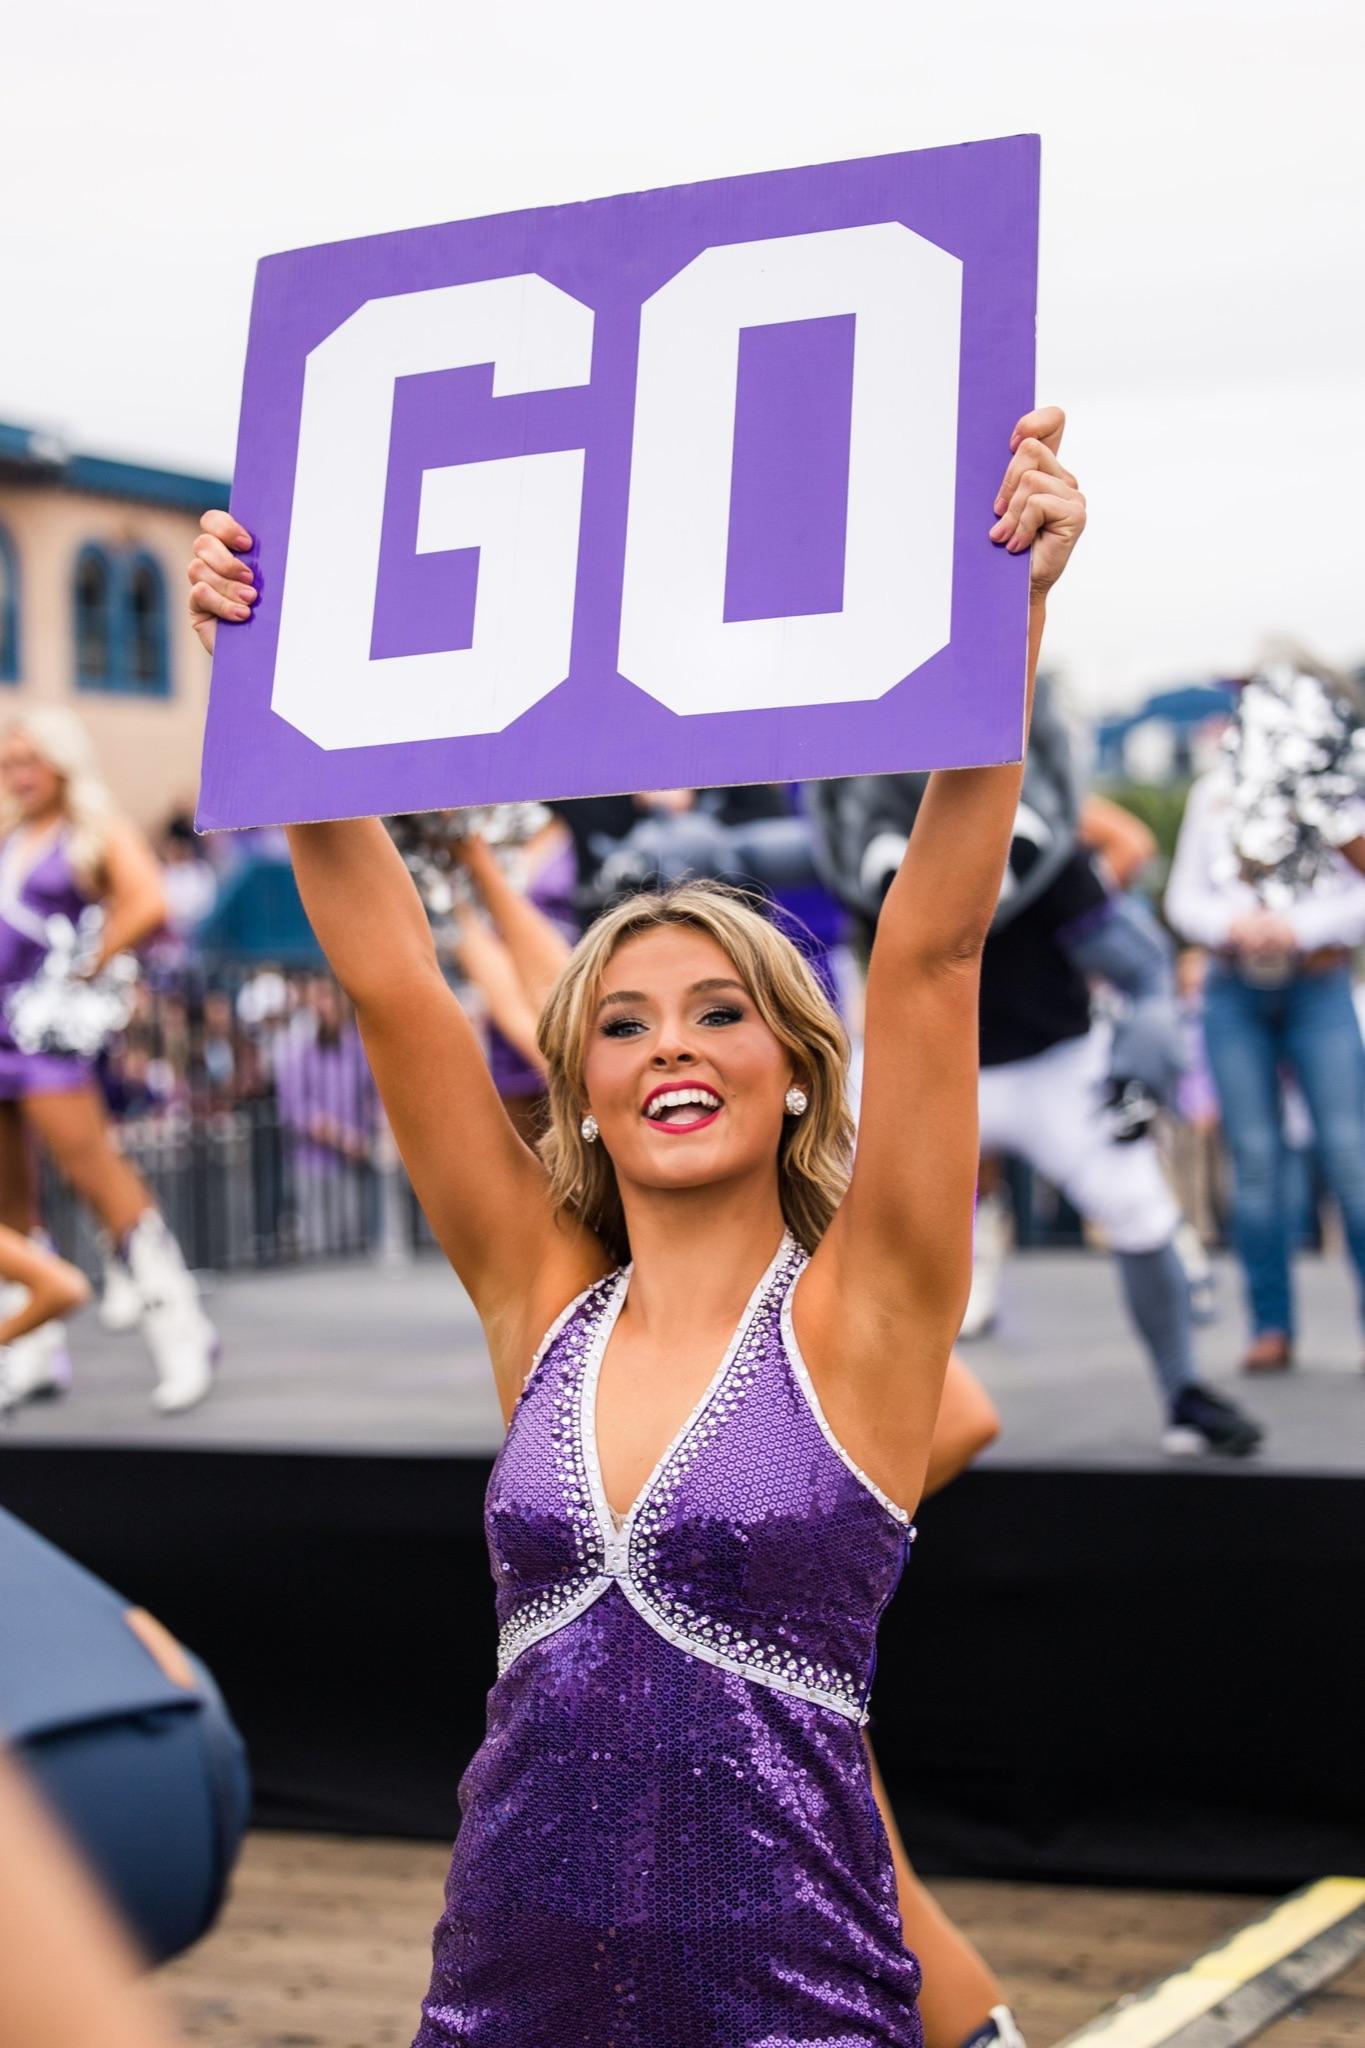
<point x="627" y="1551"/>
<point x="553" y="1606"/>
<point x="702" y="1635"/>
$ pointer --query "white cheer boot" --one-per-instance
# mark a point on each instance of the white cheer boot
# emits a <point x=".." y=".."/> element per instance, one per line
<point x="989" y="1246"/>
<point x="35" y="1367"/>
<point x="56" y="1352"/>
<point x="180" y="1337"/>
<point x="120" y="1306"/>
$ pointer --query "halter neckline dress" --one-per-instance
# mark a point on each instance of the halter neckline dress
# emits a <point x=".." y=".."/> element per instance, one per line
<point x="668" y="1836"/>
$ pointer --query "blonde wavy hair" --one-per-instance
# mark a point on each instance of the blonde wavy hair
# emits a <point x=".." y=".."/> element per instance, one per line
<point x="816" y="1150"/>
<point x="62" y="740"/>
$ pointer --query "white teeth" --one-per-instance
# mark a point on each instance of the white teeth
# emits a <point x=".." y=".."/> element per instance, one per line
<point x="683" y="1098"/>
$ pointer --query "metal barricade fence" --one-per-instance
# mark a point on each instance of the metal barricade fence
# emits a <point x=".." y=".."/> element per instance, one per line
<point x="243" y="1097"/>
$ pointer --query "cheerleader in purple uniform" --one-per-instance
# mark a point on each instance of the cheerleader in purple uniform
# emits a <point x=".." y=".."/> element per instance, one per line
<point x="720" y="1342"/>
<point x="515" y="965"/>
<point x="63" y="849"/>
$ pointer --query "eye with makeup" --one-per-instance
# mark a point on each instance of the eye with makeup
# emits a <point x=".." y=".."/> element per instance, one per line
<point x="622" y="1027"/>
<point x="716" y="1016"/>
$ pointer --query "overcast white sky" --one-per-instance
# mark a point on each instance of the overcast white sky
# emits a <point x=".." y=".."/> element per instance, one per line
<point x="1203" y="258"/>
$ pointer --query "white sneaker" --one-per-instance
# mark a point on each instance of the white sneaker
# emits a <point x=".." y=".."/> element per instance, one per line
<point x="120" y="1306"/>
<point x="35" y="1367"/>
<point x="180" y="1337"/>
<point x="989" y="1246"/>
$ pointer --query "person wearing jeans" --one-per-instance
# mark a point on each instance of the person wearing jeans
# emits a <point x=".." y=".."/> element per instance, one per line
<point x="1307" y="1024"/>
<point x="1278" y="1000"/>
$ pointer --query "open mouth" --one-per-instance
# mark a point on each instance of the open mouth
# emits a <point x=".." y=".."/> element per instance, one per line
<point x="682" y="1109"/>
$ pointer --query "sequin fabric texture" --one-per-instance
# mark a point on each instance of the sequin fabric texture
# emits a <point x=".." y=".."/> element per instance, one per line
<point x="668" y="1834"/>
<point x="49" y="889"/>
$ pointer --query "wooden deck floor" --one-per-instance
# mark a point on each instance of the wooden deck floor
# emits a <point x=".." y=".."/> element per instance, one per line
<point x="325" y="1945"/>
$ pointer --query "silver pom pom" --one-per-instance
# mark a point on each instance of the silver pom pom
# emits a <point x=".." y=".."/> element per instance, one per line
<point x="1297" y="757"/>
<point x="65" y="1010"/>
<point x="428" y="842"/>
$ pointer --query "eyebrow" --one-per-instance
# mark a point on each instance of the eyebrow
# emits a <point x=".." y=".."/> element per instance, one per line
<point x="698" y="988"/>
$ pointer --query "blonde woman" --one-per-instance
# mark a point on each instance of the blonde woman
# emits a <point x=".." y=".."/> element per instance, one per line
<point x="515" y="965"/>
<point x="669" y="1833"/>
<point x="64" y="848"/>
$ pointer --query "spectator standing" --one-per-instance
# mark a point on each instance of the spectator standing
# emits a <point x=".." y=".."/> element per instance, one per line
<point x="1277" y="999"/>
<point x="328" y="1114"/>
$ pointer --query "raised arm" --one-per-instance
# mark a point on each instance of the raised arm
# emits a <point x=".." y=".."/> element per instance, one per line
<point x="483" y="1190"/>
<point x="884" y="1296"/>
<point x="1123" y="842"/>
<point x="538" y="949"/>
<point x="487" y="964"/>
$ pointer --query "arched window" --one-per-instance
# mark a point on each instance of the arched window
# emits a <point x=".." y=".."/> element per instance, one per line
<point x="145" y="665"/>
<point x="96" y="656"/>
<point x="9" y="610"/>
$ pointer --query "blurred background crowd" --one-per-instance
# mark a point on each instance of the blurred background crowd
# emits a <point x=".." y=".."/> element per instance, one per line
<point x="238" y="1086"/>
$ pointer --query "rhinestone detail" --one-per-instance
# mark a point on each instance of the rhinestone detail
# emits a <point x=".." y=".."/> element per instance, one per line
<point x="628" y="1552"/>
<point x="552" y="1606"/>
<point x="719" y="1642"/>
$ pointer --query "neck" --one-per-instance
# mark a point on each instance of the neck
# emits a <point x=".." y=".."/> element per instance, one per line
<point x="38" y="821"/>
<point x="698" y="1254"/>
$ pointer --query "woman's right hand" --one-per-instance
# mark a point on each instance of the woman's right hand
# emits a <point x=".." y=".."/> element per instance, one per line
<point x="221" y="585"/>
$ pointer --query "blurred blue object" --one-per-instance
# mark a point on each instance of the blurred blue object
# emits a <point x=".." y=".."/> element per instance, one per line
<point x="149" y="1777"/>
<point x="259" y="915"/>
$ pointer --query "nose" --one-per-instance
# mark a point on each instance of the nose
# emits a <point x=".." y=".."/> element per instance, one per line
<point x="671" y="1048"/>
<point x="674" y="1056"/>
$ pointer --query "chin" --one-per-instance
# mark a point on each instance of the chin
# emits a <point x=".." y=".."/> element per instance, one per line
<point x="689" y="1163"/>
<point x="682" y="1173"/>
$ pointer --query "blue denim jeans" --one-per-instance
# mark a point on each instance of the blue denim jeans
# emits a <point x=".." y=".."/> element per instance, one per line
<point x="1309" y="1026"/>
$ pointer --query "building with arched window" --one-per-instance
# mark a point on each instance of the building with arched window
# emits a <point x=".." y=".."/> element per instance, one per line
<point x="9" y="609"/>
<point x="142" y="600"/>
<point x="92" y="599"/>
<point x="92" y="556"/>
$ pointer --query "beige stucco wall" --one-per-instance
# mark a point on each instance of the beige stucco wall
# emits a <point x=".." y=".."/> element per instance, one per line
<point x="149" y="745"/>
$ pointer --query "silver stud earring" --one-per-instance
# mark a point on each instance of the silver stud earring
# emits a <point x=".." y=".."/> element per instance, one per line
<point x="589" y="1129"/>
<point x="797" y="1101"/>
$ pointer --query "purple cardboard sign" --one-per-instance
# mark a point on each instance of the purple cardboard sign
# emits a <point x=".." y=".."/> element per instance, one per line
<point x="684" y="487"/>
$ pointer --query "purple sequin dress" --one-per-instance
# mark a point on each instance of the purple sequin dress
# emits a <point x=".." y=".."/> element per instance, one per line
<point x="49" y="889"/>
<point x="669" y="1837"/>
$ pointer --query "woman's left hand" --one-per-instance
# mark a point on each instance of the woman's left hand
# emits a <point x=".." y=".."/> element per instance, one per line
<point x="1039" y="505"/>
